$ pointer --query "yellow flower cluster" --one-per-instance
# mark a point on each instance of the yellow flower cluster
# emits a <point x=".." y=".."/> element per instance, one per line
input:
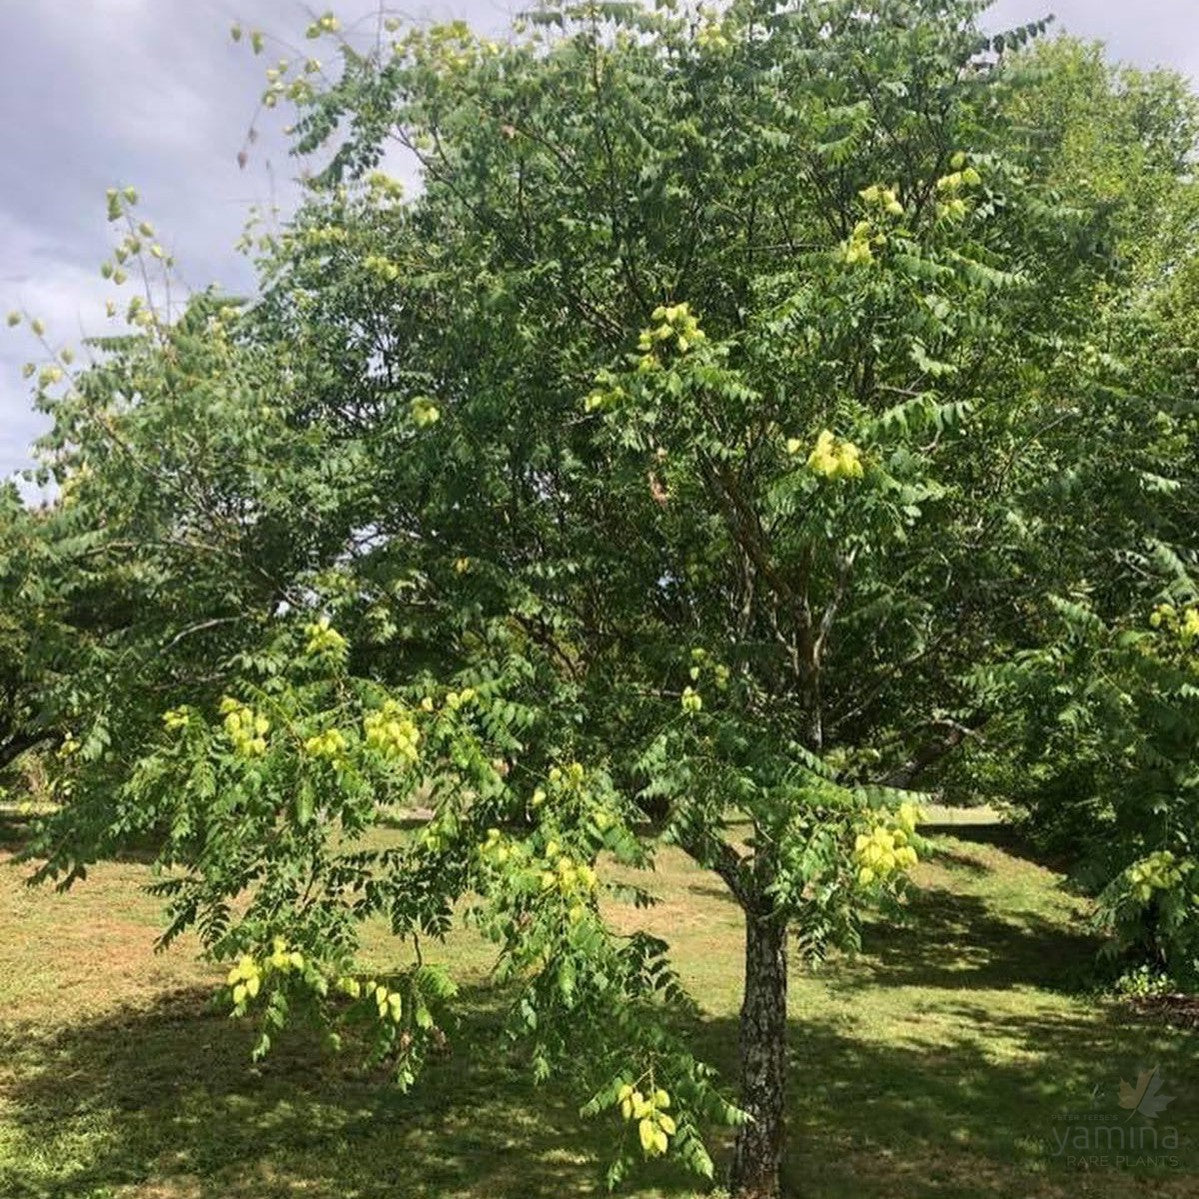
<point x="692" y="701"/>
<point x="246" y="728"/>
<point x="382" y="268"/>
<point x="654" y="1125"/>
<point x="607" y="393"/>
<point x="1158" y="872"/>
<point x="710" y="34"/>
<point x="675" y="321"/>
<point x="563" y="874"/>
<point x="949" y="187"/>
<point x="424" y="412"/>
<point x="246" y="977"/>
<point x="455" y="699"/>
<point x="573" y="773"/>
<point x="860" y="246"/>
<point x="701" y="660"/>
<point x="392" y="732"/>
<point x="495" y="847"/>
<point x="323" y="638"/>
<point x="885" y="198"/>
<point x="1184" y="624"/>
<point x="885" y="850"/>
<point x="390" y="1004"/>
<point x="330" y="744"/>
<point x="326" y="24"/>
<point x="833" y="459"/>
<point x="382" y="184"/>
<point x="175" y="718"/>
<point x="325" y="235"/>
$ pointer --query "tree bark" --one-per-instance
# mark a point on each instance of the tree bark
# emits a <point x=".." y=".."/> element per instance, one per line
<point x="759" y="1150"/>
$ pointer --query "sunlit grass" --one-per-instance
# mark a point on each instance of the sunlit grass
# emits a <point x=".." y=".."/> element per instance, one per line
<point x="935" y="1063"/>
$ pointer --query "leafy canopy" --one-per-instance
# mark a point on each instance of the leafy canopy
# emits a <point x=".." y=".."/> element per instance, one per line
<point x="663" y="472"/>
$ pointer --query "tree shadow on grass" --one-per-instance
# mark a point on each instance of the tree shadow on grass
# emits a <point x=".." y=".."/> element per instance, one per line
<point x="16" y="829"/>
<point x="19" y="830"/>
<point x="164" y="1101"/>
<point x="957" y="941"/>
<point x="998" y="834"/>
<point x="987" y="1111"/>
<point x="950" y="1120"/>
<point x="166" y="1098"/>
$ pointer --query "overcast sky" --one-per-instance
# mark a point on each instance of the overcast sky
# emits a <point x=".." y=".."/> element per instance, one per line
<point x="152" y="93"/>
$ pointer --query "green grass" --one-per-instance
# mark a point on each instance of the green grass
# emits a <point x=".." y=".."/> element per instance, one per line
<point x="937" y="1063"/>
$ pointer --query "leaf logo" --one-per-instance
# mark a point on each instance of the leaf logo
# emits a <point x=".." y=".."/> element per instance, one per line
<point x="1146" y="1096"/>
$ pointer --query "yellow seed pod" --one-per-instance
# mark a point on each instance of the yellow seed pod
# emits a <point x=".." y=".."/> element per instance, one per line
<point x="648" y="1134"/>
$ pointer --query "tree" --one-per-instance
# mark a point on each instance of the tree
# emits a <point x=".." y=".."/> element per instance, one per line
<point x="685" y="443"/>
<point x="27" y="625"/>
<point x="1096" y="741"/>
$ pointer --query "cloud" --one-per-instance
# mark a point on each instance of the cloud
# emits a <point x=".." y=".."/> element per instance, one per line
<point x="115" y="92"/>
<point x="43" y="280"/>
<point x="1145" y="32"/>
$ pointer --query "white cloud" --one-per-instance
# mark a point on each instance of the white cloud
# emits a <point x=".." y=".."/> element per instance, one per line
<point x="41" y="282"/>
<point x="1144" y="32"/>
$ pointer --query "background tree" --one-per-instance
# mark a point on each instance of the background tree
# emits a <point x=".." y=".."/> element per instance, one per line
<point x="690" y="441"/>
<point x="1100" y="716"/>
<point x="23" y="624"/>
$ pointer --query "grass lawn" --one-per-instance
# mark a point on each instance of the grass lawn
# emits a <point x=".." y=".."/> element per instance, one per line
<point x="940" y="1062"/>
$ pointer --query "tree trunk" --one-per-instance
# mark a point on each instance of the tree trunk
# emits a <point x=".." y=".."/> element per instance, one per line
<point x="759" y="1149"/>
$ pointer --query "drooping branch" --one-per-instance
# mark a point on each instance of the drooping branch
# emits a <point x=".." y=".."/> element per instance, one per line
<point x="932" y="752"/>
<point x="713" y="852"/>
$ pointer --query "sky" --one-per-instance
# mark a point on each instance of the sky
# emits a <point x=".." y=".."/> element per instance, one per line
<point x="154" y="94"/>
